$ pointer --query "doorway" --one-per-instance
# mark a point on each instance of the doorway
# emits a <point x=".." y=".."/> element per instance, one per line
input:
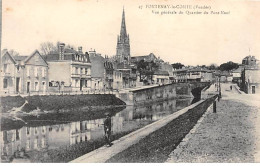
<point x="17" y="85"/>
<point x="81" y="84"/>
<point x="28" y="87"/>
<point x="253" y="89"/>
<point x="43" y="87"/>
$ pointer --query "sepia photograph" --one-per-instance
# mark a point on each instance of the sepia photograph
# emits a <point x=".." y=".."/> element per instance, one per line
<point x="122" y="81"/>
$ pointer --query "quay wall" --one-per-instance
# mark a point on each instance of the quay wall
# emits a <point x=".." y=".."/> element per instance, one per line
<point x="163" y="92"/>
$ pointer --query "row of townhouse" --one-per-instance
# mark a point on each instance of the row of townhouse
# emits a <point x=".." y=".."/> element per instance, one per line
<point x="64" y="70"/>
<point x="24" y="74"/>
<point x="193" y="75"/>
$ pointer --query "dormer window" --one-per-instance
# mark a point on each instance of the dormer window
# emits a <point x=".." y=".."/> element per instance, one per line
<point x="18" y="68"/>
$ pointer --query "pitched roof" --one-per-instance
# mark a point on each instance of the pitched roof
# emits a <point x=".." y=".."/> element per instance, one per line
<point x="160" y="72"/>
<point x="20" y="58"/>
<point x="11" y="57"/>
<point x="29" y="57"/>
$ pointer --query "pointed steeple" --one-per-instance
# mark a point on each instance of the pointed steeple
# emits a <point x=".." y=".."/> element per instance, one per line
<point x="123" y="45"/>
<point x="123" y="34"/>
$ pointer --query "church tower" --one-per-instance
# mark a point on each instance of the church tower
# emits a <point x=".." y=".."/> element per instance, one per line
<point x="123" y="46"/>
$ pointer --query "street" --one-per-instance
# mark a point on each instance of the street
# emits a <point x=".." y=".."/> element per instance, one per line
<point x="230" y="135"/>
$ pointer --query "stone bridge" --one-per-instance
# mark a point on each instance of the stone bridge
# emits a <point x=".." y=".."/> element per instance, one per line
<point x="156" y="93"/>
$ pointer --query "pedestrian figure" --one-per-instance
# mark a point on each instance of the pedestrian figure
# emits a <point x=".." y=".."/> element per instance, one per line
<point x="107" y="129"/>
<point x="230" y="87"/>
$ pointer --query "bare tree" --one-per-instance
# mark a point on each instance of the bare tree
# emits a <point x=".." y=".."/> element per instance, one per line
<point x="47" y="47"/>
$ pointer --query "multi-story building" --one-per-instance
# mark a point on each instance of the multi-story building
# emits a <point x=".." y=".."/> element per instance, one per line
<point x="24" y="74"/>
<point x="109" y="69"/>
<point x="250" y="79"/>
<point x="117" y="79"/>
<point x="161" y="77"/>
<point x="97" y="68"/>
<point x="193" y="75"/>
<point x="74" y="66"/>
<point x="249" y="60"/>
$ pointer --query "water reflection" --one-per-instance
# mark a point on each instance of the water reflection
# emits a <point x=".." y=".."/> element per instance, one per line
<point x="54" y="136"/>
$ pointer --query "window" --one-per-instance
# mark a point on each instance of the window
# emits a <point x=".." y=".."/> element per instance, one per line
<point x="28" y="146"/>
<point x="81" y="71"/>
<point x="43" y="142"/>
<point x="76" y="70"/>
<point x="18" y="69"/>
<point x="28" y="130"/>
<point x="86" y="71"/>
<point x="86" y="83"/>
<point x="5" y="68"/>
<point x="35" y="130"/>
<point x="36" y="84"/>
<point x="43" y="129"/>
<point x="5" y="83"/>
<point x="35" y="143"/>
<point x="76" y="83"/>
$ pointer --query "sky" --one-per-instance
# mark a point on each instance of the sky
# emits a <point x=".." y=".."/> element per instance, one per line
<point x="95" y="24"/>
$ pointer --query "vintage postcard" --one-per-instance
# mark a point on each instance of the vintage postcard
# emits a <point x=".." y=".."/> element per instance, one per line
<point x="144" y="81"/>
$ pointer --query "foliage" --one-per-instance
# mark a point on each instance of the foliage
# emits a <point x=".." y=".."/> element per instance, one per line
<point x="146" y="69"/>
<point x="228" y="66"/>
<point x="177" y="65"/>
<point x="213" y="67"/>
<point x="47" y="47"/>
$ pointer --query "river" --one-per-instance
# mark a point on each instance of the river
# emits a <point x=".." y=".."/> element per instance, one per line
<point x="52" y="136"/>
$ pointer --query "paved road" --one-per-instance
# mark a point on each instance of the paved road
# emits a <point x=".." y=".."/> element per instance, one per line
<point x="230" y="135"/>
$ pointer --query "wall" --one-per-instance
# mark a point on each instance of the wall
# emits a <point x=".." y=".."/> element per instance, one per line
<point x="160" y="93"/>
<point x="55" y="70"/>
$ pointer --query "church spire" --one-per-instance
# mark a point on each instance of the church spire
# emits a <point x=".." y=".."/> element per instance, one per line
<point x="123" y="46"/>
<point x="123" y="34"/>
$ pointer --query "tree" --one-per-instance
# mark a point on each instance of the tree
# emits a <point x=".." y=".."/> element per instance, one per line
<point x="47" y="47"/>
<point x="213" y="67"/>
<point x="146" y="69"/>
<point x="177" y="65"/>
<point x="228" y="66"/>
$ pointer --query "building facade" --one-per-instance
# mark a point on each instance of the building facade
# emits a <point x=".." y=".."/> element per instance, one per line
<point x="251" y="80"/>
<point x="24" y="74"/>
<point x="74" y="66"/>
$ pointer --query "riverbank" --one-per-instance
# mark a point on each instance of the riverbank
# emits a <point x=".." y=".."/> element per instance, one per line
<point x="57" y="103"/>
<point x="158" y="145"/>
<point x="230" y="135"/>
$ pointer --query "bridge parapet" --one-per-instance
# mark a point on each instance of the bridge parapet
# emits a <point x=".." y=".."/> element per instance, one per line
<point x="162" y="92"/>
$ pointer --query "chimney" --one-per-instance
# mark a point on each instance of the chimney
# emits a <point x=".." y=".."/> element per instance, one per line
<point x="61" y="47"/>
<point x="80" y="49"/>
